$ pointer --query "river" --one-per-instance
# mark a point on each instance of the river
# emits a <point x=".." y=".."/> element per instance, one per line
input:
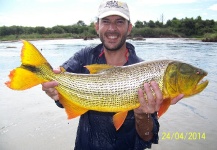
<point x="30" y="119"/>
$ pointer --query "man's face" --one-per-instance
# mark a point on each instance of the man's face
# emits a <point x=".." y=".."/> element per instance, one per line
<point x="113" y="31"/>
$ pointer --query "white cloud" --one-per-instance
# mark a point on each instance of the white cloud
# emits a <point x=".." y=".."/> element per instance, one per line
<point x="213" y="7"/>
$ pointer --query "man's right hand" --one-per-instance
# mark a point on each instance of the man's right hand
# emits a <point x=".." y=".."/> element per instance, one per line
<point x="49" y="87"/>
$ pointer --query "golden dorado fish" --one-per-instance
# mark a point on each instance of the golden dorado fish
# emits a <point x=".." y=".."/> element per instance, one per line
<point x="108" y="88"/>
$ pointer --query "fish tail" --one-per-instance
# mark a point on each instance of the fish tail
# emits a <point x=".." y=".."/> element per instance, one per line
<point x="25" y="77"/>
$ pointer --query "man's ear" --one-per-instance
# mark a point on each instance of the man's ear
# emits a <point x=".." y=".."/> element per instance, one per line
<point x="97" y="27"/>
<point x="129" y="28"/>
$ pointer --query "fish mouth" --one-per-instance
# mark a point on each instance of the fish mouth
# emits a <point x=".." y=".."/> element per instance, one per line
<point x="202" y="84"/>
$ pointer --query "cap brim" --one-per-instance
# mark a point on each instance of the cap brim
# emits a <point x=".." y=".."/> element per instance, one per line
<point x="110" y="13"/>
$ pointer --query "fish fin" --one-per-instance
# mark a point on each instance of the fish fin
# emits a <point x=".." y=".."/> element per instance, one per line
<point x="30" y="55"/>
<point x="21" y="79"/>
<point x="62" y="69"/>
<point x="118" y="119"/>
<point x="96" y="68"/>
<point x="72" y="110"/>
<point x="164" y="106"/>
<point x="24" y="77"/>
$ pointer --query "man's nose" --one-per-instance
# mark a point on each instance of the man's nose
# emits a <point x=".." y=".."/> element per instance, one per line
<point x="112" y="26"/>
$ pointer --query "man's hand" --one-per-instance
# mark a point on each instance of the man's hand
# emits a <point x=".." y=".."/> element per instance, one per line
<point x="49" y="87"/>
<point x="148" y="105"/>
<point x="152" y="102"/>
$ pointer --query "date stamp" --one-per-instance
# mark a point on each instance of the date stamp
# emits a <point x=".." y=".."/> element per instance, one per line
<point x="183" y="136"/>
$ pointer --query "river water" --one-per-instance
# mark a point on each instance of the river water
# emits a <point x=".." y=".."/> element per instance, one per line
<point x="30" y="120"/>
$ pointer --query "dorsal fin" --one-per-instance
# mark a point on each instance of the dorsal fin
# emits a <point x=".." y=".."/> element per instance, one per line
<point x="96" y="68"/>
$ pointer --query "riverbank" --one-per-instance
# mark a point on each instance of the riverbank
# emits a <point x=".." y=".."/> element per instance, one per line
<point x="210" y="38"/>
<point x="63" y="36"/>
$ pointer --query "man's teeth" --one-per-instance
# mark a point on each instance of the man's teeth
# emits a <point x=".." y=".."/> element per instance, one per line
<point x="112" y="37"/>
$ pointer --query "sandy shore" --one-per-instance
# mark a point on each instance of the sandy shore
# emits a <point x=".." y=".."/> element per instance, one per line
<point x="31" y="120"/>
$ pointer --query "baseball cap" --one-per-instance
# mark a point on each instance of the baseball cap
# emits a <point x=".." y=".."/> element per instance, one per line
<point x="112" y="7"/>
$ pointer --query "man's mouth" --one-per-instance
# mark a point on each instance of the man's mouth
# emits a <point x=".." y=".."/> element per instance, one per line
<point x="112" y="37"/>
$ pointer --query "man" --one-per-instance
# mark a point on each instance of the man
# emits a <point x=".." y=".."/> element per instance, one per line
<point x="96" y="130"/>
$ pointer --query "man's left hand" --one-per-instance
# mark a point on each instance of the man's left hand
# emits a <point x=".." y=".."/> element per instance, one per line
<point x="152" y="102"/>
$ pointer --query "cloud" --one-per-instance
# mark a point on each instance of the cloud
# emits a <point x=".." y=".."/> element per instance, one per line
<point x="213" y="7"/>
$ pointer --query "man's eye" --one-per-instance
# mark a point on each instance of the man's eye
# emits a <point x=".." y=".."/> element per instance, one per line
<point x="105" y="21"/>
<point x="120" y="22"/>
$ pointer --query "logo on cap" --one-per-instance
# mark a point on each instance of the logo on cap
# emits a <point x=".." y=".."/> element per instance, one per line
<point x="109" y="7"/>
<point x="115" y="4"/>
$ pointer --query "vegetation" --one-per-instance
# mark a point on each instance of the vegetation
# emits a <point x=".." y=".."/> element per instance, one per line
<point x="187" y="27"/>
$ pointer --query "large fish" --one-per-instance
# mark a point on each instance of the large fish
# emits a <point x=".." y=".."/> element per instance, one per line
<point x="108" y="88"/>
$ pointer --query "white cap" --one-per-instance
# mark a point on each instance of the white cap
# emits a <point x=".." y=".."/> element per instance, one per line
<point x="112" y="7"/>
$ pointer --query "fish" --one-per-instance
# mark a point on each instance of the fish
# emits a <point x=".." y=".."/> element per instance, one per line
<point x="107" y="88"/>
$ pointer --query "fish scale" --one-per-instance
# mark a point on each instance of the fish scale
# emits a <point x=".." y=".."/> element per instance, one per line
<point x="116" y="90"/>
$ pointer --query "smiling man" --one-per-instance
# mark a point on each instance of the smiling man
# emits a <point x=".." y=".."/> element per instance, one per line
<point x="96" y="130"/>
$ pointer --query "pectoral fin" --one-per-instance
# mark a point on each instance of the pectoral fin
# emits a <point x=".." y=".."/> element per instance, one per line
<point x="71" y="109"/>
<point x="164" y="106"/>
<point x="118" y="119"/>
<point x="62" y="69"/>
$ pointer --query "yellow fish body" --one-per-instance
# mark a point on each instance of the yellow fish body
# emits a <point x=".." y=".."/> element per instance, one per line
<point x="108" y="88"/>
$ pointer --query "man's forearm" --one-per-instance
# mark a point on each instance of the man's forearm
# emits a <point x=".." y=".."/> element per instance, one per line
<point x="144" y="126"/>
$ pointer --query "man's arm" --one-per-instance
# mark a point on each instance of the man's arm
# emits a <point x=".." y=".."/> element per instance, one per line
<point x="146" y="114"/>
<point x="148" y="106"/>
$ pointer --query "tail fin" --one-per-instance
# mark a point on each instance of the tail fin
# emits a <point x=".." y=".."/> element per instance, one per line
<point x="21" y="78"/>
<point x="30" y="55"/>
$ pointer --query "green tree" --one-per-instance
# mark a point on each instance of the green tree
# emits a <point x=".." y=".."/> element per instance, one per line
<point x="81" y="23"/>
<point x="40" y="30"/>
<point x="151" y="24"/>
<point x="158" y="24"/>
<point x="57" y="29"/>
<point x="4" y="31"/>
<point x="139" y="24"/>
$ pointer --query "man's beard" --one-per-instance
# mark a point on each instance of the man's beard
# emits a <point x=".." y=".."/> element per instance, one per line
<point x="120" y="44"/>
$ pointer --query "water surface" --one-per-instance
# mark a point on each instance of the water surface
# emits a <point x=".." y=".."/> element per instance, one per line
<point x="30" y="119"/>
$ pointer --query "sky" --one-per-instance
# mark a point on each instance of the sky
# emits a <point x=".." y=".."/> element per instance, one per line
<point x="49" y="13"/>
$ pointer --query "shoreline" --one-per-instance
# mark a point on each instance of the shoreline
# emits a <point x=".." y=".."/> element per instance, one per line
<point x="132" y="38"/>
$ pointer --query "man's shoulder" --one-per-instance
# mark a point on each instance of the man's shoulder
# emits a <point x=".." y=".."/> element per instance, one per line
<point x="91" y="50"/>
<point x="133" y="56"/>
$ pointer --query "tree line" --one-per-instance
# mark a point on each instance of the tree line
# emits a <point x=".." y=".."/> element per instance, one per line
<point x="79" y="28"/>
<point x="187" y="27"/>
